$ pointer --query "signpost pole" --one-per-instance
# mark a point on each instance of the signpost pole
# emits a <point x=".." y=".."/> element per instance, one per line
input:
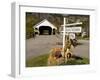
<point x="68" y="30"/>
<point x="64" y="23"/>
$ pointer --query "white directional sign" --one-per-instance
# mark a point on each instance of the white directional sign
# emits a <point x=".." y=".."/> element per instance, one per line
<point x="71" y="35"/>
<point x="73" y="29"/>
<point x="73" y="24"/>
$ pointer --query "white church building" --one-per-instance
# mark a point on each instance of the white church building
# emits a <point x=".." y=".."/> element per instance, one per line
<point x="45" y="27"/>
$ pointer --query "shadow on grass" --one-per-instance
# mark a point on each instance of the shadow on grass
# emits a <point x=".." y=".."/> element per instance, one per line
<point x="77" y="57"/>
<point x="76" y="60"/>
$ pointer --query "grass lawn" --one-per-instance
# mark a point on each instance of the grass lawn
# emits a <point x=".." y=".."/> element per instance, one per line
<point x="77" y="61"/>
<point x="37" y="61"/>
<point x="41" y="60"/>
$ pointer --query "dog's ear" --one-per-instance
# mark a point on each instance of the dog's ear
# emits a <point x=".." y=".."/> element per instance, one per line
<point x="52" y="52"/>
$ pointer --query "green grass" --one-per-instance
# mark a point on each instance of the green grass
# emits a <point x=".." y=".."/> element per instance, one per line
<point x="41" y="60"/>
<point x="37" y="61"/>
<point x="77" y="62"/>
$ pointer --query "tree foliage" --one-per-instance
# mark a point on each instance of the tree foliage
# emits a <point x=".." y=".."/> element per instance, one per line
<point x="56" y="19"/>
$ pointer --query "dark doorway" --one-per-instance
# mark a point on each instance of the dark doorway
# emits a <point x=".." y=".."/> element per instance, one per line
<point x="45" y="30"/>
<point x="54" y="31"/>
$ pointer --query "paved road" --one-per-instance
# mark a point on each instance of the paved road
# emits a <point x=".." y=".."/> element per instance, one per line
<point x="41" y="45"/>
<point x="82" y="49"/>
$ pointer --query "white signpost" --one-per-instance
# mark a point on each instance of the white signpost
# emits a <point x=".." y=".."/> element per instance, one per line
<point x="72" y="24"/>
<point x="70" y="31"/>
<point x="73" y="29"/>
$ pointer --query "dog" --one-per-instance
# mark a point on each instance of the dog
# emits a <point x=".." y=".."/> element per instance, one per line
<point x="68" y="54"/>
<point x="55" y="57"/>
<point x="59" y="55"/>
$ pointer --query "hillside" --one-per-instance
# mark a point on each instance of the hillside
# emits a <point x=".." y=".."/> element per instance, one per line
<point x="56" y="19"/>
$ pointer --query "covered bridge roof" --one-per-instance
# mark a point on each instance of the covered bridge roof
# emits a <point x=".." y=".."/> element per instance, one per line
<point x="44" y="22"/>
